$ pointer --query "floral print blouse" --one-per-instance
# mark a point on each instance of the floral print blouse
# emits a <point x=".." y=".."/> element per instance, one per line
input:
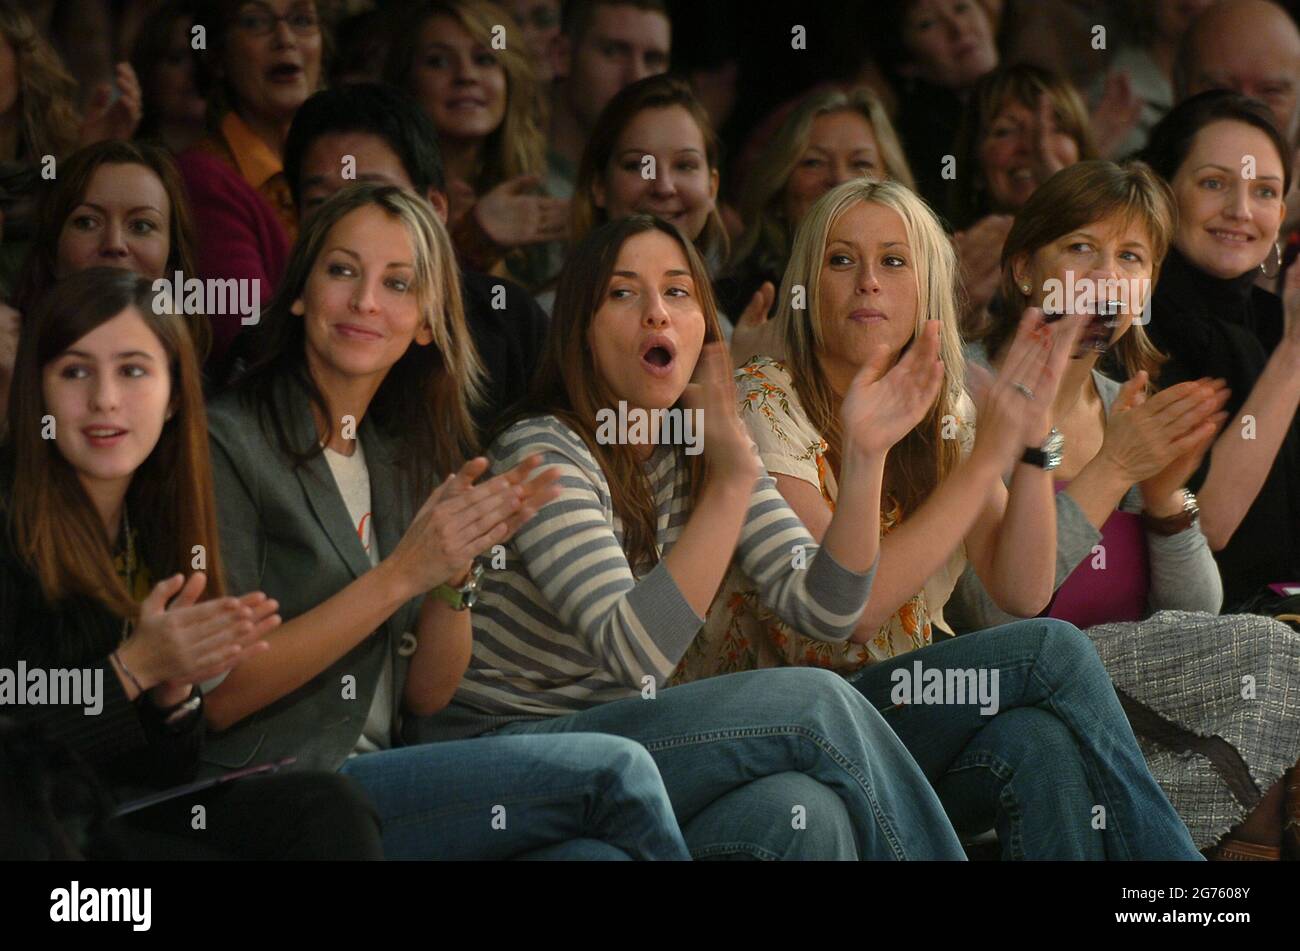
<point x="740" y="632"/>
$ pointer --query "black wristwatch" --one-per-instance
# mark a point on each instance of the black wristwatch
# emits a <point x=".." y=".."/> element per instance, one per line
<point x="1048" y="456"/>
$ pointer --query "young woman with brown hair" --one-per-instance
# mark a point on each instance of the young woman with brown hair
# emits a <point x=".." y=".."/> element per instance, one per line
<point x="107" y="507"/>
<point x="484" y="99"/>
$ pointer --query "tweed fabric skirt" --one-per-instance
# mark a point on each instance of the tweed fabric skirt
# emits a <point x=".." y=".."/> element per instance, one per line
<point x="1215" y="703"/>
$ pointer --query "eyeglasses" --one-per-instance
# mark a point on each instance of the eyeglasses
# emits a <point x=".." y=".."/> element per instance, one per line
<point x="263" y="22"/>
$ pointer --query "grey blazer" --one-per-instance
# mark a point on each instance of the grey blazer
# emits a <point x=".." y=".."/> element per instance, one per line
<point x="286" y="531"/>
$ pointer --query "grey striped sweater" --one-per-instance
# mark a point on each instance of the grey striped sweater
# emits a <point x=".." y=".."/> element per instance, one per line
<point x="566" y="625"/>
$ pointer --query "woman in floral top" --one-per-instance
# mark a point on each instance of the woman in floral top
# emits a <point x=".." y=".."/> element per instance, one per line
<point x="1044" y="752"/>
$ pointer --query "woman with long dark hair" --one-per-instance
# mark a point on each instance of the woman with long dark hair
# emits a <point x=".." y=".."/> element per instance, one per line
<point x="110" y="562"/>
<point x="342" y="490"/>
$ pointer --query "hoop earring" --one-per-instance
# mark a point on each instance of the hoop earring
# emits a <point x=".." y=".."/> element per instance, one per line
<point x="1277" y="249"/>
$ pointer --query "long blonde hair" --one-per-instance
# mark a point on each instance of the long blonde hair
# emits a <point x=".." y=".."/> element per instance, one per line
<point x="517" y="146"/>
<point x="924" y="457"/>
<point x="47" y="93"/>
<point x="768" y="235"/>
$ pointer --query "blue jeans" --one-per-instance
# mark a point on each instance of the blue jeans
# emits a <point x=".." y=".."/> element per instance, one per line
<point x="1056" y="768"/>
<point x="582" y="796"/>
<point x="777" y="764"/>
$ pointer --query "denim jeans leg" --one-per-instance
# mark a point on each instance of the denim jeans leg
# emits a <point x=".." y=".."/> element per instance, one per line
<point x="714" y="736"/>
<point x="576" y="850"/>
<point x="1021" y="774"/>
<point x="739" y="825"/>
<point x="1052" y="665"/>
<point x="503" y="796"/>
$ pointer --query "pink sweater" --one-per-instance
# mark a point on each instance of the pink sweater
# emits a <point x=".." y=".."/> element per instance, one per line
<point x="239" y="236"/>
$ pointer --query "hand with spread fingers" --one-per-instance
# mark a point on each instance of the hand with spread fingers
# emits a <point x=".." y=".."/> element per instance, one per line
<point x="1017" y="406"/>
<point x="460" y="520"/>
<point x="883" y="404"/>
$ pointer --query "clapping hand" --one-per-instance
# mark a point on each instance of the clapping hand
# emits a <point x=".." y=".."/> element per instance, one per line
<point x="883" y="404"/>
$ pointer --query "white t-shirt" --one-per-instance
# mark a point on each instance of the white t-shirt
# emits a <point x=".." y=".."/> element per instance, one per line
<point x="353" y="480"/>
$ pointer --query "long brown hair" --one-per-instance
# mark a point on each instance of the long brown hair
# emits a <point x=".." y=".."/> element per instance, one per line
<point x="47" y="93"/>
<point x="56" y="529"/>
<point x="426" y="397"/>
<point x="569" y="386"/>
<point x="69" y="190"/>
<point x="923" y="458"/>
<point x="517" y="146"/>
<point x="1071" y="199"/>
<point x="654" y="92"/>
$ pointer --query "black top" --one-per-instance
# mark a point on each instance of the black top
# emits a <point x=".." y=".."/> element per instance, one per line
<point x="928" y="120"/>
<point x="509" y="339"/>
<point x="1211" y="327"/>
<point x="735" y="288"/>
<point x="126" y="742"/>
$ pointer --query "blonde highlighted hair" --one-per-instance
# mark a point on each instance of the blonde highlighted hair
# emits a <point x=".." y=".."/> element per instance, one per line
<point x="1024" y="84"/>
<point x="768" y="234"/>
<point x="425" y="399"/>
<point x="923" y="458"/>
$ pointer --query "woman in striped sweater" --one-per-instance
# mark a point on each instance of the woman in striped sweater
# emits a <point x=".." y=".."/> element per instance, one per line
<point x="591" y="606"/>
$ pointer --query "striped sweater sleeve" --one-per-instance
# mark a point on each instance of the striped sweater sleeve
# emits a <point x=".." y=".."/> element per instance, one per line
<point x="796" y="578"/>
<point x="632" y="627"/>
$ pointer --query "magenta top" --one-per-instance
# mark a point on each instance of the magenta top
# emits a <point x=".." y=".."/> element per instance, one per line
<point x="1112" y="583"/>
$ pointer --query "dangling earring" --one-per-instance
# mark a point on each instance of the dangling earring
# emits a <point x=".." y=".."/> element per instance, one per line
<point x="1277" y="249"/>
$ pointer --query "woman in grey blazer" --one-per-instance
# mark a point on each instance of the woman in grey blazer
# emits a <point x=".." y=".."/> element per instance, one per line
<point x="327" y="457"/>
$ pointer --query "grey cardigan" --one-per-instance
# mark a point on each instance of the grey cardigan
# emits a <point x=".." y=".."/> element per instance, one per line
<point x="286" y="531"/>
<point x="1184" y="576"/>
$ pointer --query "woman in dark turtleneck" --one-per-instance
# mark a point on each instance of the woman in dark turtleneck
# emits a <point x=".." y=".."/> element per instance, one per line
<point x="1224" y="159"/>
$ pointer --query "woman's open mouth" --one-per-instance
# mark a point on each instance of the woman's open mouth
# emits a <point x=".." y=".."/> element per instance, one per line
<point x="284" y="73"/>
<point x="658" y="356"/>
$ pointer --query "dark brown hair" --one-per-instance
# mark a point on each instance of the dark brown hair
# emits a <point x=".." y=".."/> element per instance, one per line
<point x="568" y="384"/>
<point x="576" y="15"/>
<point x="55" y="525"/>
<point x="653" y="92"/>
<point x="69" y="190"/>
<point x="1172" y="137"/>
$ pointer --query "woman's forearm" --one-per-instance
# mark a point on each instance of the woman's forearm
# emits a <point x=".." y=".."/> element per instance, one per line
<point x="1098" y="489"/>
<point x="308" y="644"/>
<point x="444" y="642"/>
<point x="922" y="544"/>
<point x="858" y="506"/>
<point x="1024" y="549"/>
<point x="1239" y="465"/>
<point x="699" y="560"/>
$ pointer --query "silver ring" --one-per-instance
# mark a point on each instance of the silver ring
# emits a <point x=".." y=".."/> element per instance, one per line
<point x="1023" y="390"/>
